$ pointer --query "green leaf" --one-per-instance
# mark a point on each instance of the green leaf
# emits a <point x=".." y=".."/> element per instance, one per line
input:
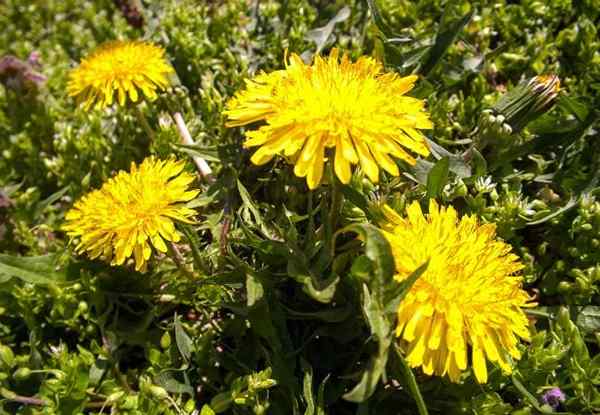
<point x="530" y="397"/>
<point x="195" y="150"/>
<point x="446" y="35"/>
<point x="321" y="397"/>
<point x="248" y="203"/>
<point x="437" y="178"/>
<point x="379" y="21"/>
<point x="571" y="203"/>
<point x="478" y="162"/>
<point x="41" y="206"/>
<point x="378" y="250"/>
<point x="413" y="386"/>
<point x="184" y="343"/>
<point x="357" y="198"/>
<point x="254" y="290"/>
<point x="380" y="327"/>
<point x="307" y="386"/>
<point x="334" y="315"/>
<point x="320" y="290"/>
<point x="170" y="384"/>
<point x="321" y="35"/>
<point x="396" y="294"/>
<point x="588" y="318"/>
<point x="575" y="107"/>
<point x="34" y="269"/>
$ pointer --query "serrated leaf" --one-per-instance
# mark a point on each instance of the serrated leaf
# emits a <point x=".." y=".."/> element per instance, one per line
<point x="380" y="328"/>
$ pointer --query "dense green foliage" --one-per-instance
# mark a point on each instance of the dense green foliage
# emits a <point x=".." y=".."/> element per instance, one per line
<point x="273" y="318"/>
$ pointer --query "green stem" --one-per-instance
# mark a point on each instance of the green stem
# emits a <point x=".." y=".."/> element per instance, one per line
<point x="409" y="376"/>
<point x="176" y="256"/>
<point x="336" y="202"/>
<point x="144" y="121"/>
<point x="189" y="235"/>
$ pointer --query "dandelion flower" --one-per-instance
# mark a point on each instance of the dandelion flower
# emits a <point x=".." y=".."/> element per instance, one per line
<point x="351" y="111"/>
<point x="119" y="67"/>
<point x="469" y="297"/>
<point x="133" y="212"/>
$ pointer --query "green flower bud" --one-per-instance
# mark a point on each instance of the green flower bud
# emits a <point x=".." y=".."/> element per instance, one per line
<point x="7" y="394"/>
<point x="564" y="287"/>
<point x="165" y="340"/>
<point x="158" y="392"/>
<point x="131" y="402"/>
<point x="189" y="406"/>
<point x="22" y="373"/>
<point x="114" y="397"/>
<point x="154" y="356"/>
<point x="7" y="356"/>
<point x="82" y="307"/>
<point x="527" y="101"/>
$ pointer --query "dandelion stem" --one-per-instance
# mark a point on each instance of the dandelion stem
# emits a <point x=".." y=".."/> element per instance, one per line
<point x="178" y="258"/>
<point x="144" y="121"/>
<point x="336" y="202"/>
<point x="186" y="138"/>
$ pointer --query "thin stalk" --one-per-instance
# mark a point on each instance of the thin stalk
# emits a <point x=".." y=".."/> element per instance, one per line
<point x="178" y="258"/>
<point x="27" y="400"/>
<point x="186" y="138"/>
<point x="409" y="376"/>
<point x="336" y="202"/>
<point x="144" y="121"/>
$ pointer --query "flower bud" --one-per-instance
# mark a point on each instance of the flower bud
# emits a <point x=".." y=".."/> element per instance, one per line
<point x="165" y="340"/>
<point x="527" y="101"/>
<point x="158" y="392"/>
<point x="22" y="373"/>
<point x="7" y="357"/>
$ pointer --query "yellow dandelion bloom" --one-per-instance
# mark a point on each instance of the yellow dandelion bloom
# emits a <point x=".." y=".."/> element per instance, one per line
<point x="133" y="212"/>
<point x="351" y="111"/>
<point x="470" y="296"/>
<point x="119" y="67"/>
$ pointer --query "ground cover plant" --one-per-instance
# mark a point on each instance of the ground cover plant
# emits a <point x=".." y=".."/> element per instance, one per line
<point x="299" y="207"/>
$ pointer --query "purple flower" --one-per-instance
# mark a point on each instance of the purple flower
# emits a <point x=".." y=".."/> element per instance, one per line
<point x="553" y="397"/>
<point x="18" y="75"/>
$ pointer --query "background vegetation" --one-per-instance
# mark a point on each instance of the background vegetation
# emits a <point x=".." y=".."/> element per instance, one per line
<point x="270" y="321"/>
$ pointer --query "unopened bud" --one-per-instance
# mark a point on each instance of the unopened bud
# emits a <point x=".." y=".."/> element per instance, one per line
<point x="527" y="101"/>
<point x="158" y="392"/>
<point x="22" y="373"/>
<point x="165" y="340"/>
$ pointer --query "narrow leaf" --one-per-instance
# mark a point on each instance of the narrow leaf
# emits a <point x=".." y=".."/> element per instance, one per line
<point x="396" y="294"/>
<point x="446" y="35"/>
<point x="34" y="270"/>
<point x="184" y="343"/>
